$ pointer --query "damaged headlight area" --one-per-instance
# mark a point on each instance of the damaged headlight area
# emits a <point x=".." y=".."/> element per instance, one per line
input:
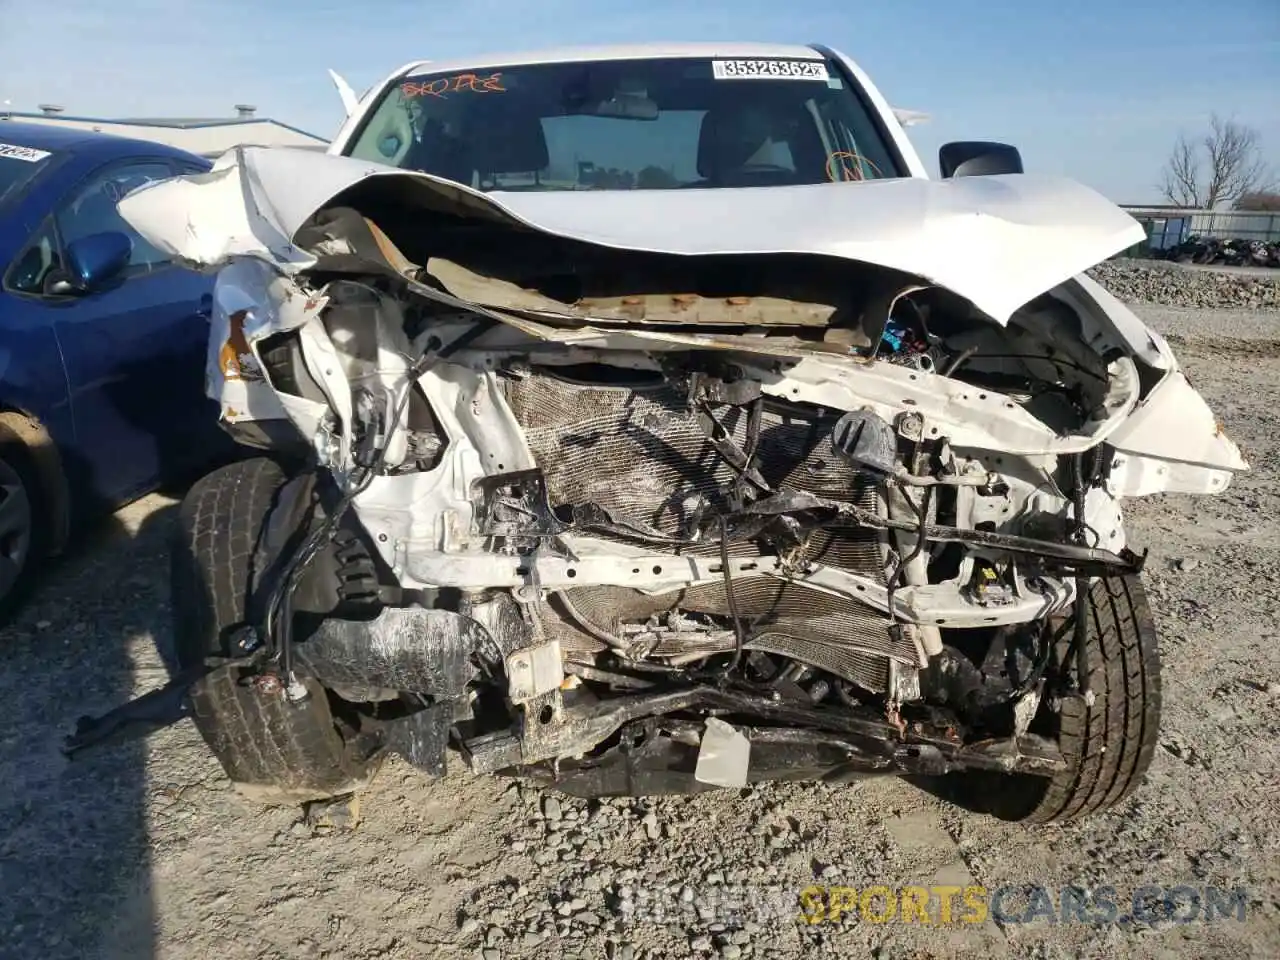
<point x="639" y="522"/>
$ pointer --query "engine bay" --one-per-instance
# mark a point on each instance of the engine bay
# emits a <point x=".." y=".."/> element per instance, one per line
<point x="782" y="494"/>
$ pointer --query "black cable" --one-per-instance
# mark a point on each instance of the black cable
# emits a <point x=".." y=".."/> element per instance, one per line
<point x="922" y="516"/>
<point x="958" y="360"/>
<point x="725" y="445"/>
<point x="739" y="634"/>
<point x="586" y="625"/>
<point x="1081" y="603"/>
<point x="1038" y="667"/>
<point x="1056" y="361"/>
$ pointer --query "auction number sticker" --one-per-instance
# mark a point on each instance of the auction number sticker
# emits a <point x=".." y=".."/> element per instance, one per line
<point x="769" y="70"/>
<point x="29" y="154"/>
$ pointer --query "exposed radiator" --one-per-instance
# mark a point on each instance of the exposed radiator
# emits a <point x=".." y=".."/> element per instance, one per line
<point x="641" y="454"/>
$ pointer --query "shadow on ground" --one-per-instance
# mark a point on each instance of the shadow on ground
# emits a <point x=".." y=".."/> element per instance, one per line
<point x="74" y="845"/>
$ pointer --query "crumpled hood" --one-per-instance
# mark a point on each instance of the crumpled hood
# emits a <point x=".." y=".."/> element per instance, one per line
<point x="997" y="241"/>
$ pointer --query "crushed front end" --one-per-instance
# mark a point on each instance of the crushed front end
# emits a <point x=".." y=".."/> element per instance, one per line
<point x="633" y="521"/>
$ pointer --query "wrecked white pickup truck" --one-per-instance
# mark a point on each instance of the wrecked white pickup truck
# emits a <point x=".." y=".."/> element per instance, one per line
<point x="646" y="420"/>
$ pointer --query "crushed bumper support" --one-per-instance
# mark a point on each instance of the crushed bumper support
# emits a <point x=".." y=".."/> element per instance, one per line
<point x="654" y="759"/>
<point x="871" y="745"/>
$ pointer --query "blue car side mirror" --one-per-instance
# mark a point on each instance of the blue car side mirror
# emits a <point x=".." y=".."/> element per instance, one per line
<point x="98" y="259"/>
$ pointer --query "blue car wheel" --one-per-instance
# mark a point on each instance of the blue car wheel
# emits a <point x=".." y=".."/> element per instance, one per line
<point x="19" y="530"/>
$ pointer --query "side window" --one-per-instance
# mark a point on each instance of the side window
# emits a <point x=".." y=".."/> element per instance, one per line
<point x="40" y="260"/>
<point x="92" y="209"/>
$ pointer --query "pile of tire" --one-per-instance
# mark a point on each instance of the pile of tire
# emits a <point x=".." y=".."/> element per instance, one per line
<point x="1230" y="252"/>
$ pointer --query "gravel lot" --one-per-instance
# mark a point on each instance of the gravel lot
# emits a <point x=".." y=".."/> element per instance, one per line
<point x="1184" y="285"/>
<point x="143" y="851"/>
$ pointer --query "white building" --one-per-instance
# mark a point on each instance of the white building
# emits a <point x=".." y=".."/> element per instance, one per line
<point x="209" y="137"/>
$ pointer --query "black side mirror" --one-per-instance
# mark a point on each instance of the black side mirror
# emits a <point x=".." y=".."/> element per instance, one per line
<point x="97" y="259"/>
<point x="978" y="158"/>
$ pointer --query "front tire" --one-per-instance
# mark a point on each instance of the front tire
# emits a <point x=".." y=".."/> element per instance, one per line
<point x="23" y="532"/>
<point x="270" y="748"/>
<point x="1108" y="746"/>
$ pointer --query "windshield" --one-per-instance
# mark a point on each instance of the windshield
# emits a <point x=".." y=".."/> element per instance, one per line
<point x="17" y="166"/>
<point x="630" y="125"/>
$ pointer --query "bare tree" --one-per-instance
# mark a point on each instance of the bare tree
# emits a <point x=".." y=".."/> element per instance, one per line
<point x="1225" y="165"/>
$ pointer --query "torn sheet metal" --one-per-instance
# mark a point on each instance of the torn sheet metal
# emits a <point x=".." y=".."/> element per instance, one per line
<point x="252" y="300"/>
<point x="972" y="418"/>
<point x="658" y="341"/>
<point x="534" y="671"/>
<point x="997" y="241"/>
<point x="403" y="648"/>
<point x="678" y="308"/>
<point x="1172" y="443"/>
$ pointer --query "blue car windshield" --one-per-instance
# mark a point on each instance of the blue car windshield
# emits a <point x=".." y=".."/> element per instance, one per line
<point x="18" y="166"/>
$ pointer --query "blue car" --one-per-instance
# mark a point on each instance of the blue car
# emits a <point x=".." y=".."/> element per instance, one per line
<point x="102" y="342"/>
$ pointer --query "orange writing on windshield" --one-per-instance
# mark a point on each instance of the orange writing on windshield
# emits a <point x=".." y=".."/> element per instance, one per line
<point x="462" y="83"/>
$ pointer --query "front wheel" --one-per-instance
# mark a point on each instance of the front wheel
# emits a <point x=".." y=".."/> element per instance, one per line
<point x="1108" y="746"/>
<point x="270" y="748"/>
<point x="22" y="532"/>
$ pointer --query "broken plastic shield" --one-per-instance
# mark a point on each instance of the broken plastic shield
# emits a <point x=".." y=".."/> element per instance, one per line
<point x="724" y="756"/>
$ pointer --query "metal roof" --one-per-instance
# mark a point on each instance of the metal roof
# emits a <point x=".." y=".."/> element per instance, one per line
<point x="170" y="123"/>
<point x="1161" y="209"/>
<point x="188" y="121"/>
<point x="48" y="136"/>
<point x="41" y="136"/>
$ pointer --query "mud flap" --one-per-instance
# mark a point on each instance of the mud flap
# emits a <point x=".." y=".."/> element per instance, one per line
<point x="421" y="738"/>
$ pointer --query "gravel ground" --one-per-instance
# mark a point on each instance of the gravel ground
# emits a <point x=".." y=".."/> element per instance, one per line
<point x="1173" y="284"/>
<point x="142" y="850"/>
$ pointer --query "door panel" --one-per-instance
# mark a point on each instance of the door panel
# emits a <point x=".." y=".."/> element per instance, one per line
<point x="134" y="350"/>
<point x="31" y="375"/>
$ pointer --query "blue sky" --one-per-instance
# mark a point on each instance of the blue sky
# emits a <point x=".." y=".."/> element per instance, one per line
<point x="1091" y="89"/>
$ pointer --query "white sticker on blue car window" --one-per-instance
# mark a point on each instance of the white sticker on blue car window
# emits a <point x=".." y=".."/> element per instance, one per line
<point x="769" y="69"/>
<point x="29" y="154"/>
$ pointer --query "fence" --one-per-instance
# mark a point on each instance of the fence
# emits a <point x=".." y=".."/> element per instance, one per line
<point x="1167" y="227"/>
